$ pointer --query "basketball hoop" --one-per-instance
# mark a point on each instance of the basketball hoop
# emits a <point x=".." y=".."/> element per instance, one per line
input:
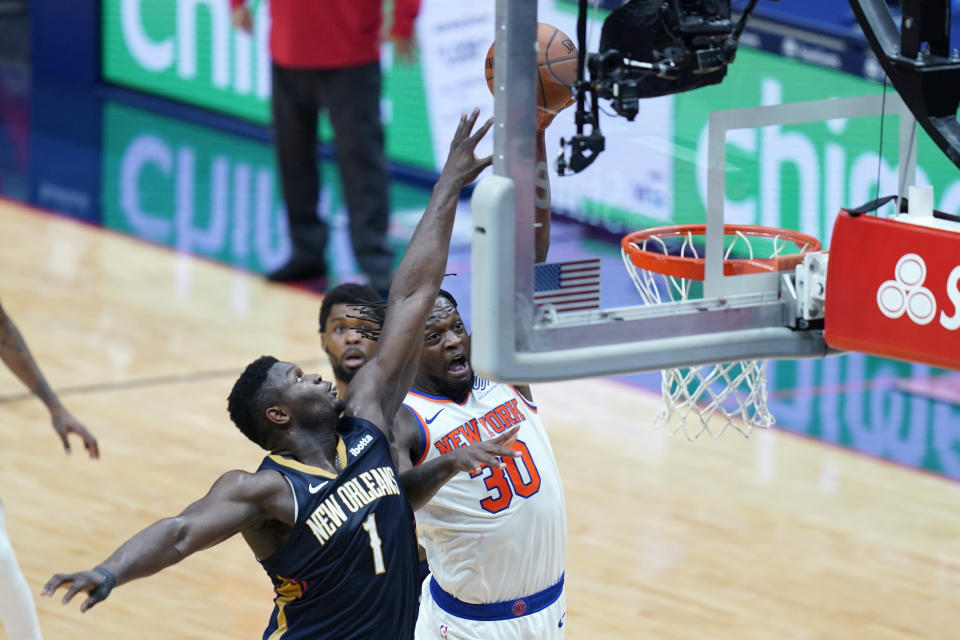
<point x="663" y="262"/>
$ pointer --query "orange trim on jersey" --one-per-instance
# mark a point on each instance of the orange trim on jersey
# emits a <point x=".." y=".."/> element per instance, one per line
<point x="424" y="432"/>
<point x="531" y="406"/>
<point x="438" y="399"/>
<point x="312" y="470"/>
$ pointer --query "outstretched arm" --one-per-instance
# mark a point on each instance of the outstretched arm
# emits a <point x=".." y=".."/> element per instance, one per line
<point x="382" y="383"/>
<point x="236" y="501"/>
<point x="16" y="355"/>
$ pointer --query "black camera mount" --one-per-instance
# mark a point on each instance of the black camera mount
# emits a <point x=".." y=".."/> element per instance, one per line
<point x="648" y="48"/>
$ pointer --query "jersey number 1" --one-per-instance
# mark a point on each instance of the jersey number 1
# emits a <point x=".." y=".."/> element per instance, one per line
<point x="376" y="545"/>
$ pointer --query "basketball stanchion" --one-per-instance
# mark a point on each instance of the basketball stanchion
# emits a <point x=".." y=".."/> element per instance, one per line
<point x="663" y="264"/>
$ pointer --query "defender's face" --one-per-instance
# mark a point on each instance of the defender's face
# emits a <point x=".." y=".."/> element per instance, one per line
<point x="343" y="344"/>
<point x="305" y="396"/>
<point x="446" y="350"/>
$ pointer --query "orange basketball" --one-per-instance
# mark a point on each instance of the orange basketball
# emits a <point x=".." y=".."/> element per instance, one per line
<point x="556" y="67"/>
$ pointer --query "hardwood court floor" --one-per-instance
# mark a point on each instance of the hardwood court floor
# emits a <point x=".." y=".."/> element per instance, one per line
<point x="768" y="538"/>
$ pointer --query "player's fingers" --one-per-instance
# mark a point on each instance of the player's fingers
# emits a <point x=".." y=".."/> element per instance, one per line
<point x="463" y="120"/>
<point x="458" y="134"/>
<point x="64" y="440"/>
<point x="72" y="591"/>
<point x="54" y="583"/>
<point x="461" y="134"/>
<point x="473" y="458"/>
<point x="498" y="453"/>
<point x="508" y="435"/>
<point x="89" y="602"/>
<point x="483" y="163"/>
<point x="91" y="444"/>
<point x="477" y="459"/>
<point x="505" y="449"/>
<point x="472" y="119"/>
<point x="482" y="130"/>
<point x="490" y="458"/>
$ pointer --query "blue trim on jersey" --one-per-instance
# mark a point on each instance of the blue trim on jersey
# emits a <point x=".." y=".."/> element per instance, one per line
<point x="424" y="436"/>
<point x="507" y="610"/>
<point x="441" y="399"/>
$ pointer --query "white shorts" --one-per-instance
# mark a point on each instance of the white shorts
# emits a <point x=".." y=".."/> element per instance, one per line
<point x="434" y="623"/>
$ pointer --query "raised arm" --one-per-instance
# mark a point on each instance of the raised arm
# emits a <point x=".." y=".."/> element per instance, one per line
<point x="380" y="386"/>
<point x="541" y="232"/>
<point x="16" y="355"/>
<point x="236" y="501"/>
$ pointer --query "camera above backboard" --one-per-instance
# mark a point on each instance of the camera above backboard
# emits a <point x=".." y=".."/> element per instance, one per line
<point x="649" y="48"/>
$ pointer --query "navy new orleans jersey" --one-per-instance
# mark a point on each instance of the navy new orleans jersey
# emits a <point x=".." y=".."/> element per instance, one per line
<point x="348" y="569"/>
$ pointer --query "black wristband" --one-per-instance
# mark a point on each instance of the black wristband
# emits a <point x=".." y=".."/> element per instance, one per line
<point x="109" y="582"/>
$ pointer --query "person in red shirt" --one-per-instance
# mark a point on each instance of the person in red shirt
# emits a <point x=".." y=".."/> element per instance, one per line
<point x="326" y="55"/>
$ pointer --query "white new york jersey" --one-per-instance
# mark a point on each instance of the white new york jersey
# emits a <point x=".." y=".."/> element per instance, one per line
<point x="502" y="533"/>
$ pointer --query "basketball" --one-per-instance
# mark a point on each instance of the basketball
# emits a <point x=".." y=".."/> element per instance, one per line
<point x="556" y="67"/>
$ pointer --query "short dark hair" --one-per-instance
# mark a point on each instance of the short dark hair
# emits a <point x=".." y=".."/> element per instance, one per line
<point x="347" y="293"/>
<point x="245" y="399"/>
<point x="449" y="296"/>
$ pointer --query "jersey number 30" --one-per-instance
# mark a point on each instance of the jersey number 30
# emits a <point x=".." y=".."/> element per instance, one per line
<point x="505" y="483"/>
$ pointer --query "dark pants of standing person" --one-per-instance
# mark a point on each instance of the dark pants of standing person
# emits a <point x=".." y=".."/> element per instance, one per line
<point x="351" y="97"/>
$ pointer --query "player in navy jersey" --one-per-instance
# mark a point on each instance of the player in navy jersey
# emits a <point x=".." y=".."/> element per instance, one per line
<point x="325" y="513"/>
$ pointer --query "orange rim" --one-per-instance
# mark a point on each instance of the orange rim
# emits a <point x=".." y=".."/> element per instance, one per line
<point x="693" y="268"/>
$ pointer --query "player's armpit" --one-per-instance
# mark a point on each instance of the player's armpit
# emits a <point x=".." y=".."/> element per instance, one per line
<point x="525" y="391"/>
<point x="406" y="438"/>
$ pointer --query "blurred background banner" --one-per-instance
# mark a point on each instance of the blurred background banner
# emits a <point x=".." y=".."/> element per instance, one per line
<point x="206" y="192"/>
<point x="795" y="177"/>
<point x="189" y="51"/>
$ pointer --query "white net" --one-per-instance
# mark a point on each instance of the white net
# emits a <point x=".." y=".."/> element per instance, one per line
<point x="709" y="398"/>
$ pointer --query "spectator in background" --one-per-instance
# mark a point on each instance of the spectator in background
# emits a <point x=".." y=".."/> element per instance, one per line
<point x="326" y="55"/>
<point x="17" y="613"/>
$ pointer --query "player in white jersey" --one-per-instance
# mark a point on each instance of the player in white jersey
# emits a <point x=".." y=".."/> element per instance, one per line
<point x="495" y="538"/>
<point x="342" y="328"/>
